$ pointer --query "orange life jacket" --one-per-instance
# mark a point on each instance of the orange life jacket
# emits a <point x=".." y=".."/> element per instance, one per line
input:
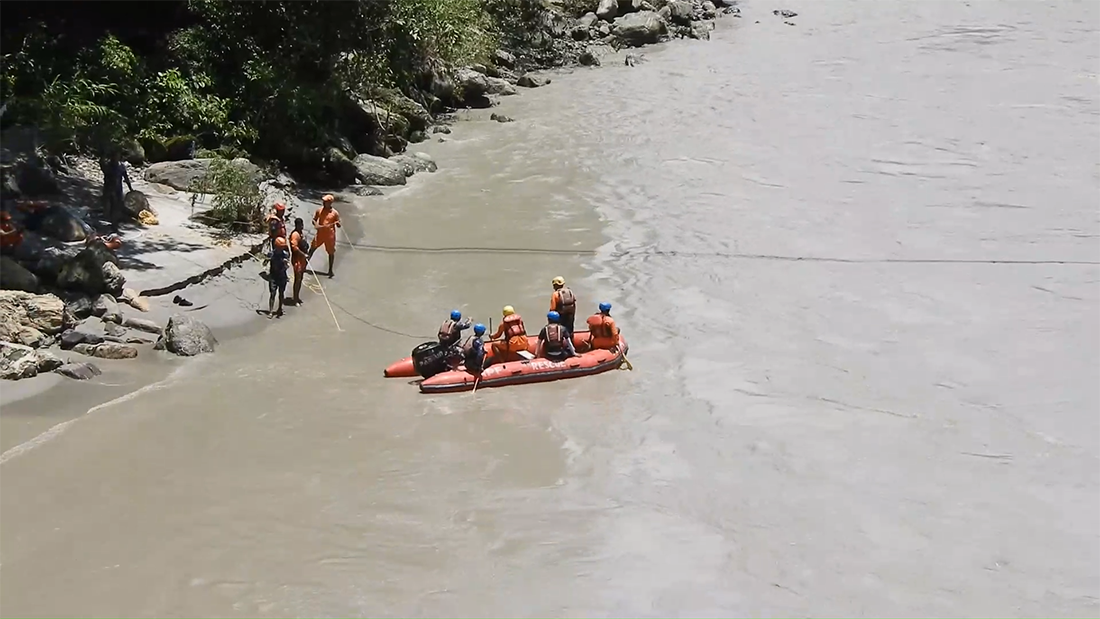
<point x="601" y="326"/>
<point x="515" y="326"/>
<point x="567" y="301"/>
<point x="555" y="337"/>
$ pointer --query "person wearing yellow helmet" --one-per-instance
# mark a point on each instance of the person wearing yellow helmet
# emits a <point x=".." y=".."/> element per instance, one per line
<point x="512" y="335"/>
<point x="564" y="302"/>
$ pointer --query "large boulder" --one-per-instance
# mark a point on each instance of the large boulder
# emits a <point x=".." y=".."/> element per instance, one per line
<point x="417" y="162"/>
<point x="33" y="176"/>
<point x="186" y="337"/>
<point x="498" y="86"/>
<point x="94" y="270"/>
<point x="679" y="12"/>
<point x="641" y="28"/>
<point x="47" y="361"/>
<point x="14" y="277"/>
<point x="79" y="371"/>
<point x="29" y="319"/>
<point x="105" y="306"/>
<point x="72" y="337"/>
<point x="416" y="115"/>
<point x="182" y="175"/>
<point x="107" y="350"/>
<point x="532" y="81"/>
<point x="607" y="9"/>
<point x="135" y="202"/>
<point x="471" y="88"/>
<point x="17" y="362"/>
<point x="379" y="171"/>
<point x="58" y="222"/>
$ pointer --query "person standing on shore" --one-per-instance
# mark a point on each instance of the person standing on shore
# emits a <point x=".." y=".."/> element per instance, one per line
<point x="299" y="258"/>
<point x="277" y="217"/>
<point x="277" y="279"/>
<point x="114" y="173"/>
<point x="326" y="220"/>
<point x="564" y="302"/>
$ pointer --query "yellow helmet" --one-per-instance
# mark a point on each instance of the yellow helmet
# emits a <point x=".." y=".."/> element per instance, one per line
<point x="558" y="281"/>
<point x="508" y="310"/>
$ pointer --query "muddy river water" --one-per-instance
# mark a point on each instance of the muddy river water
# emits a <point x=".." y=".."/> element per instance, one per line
<point x="856" y="261"/>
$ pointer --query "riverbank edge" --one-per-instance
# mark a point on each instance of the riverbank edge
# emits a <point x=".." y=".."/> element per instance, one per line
<point x="252" y="323"/>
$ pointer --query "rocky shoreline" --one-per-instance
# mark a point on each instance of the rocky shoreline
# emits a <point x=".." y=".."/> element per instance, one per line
<point x="65" y="292"/>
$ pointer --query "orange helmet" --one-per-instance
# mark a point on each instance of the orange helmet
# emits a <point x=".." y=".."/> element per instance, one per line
<point x="5" y="216"/>
<point x="280" y="242"/>
<point x="328" y="198"/>
<point x="280" y="207"/>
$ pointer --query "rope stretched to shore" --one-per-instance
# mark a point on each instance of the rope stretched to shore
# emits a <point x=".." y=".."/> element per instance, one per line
<point x="696" y="255"/>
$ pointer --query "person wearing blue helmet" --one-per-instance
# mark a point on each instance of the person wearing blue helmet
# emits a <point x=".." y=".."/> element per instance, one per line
<point x="473" y="350"/>
<point x="450" y="332"/>
<point x="602" y="332"/>
<point x="555" y="341"/>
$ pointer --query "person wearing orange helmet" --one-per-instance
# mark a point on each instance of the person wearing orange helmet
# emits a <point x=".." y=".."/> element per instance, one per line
<point x="276" y="221"/>
<point x="326" y="220"/>
<point x="10" y="234"/>
<point x="277" y="279"/>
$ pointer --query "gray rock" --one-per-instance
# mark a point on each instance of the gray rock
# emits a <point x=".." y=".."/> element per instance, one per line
<point x="417" y="137"/>
<point x="363" y="190"/>
<point x="441" y="129"/>
<point x="470" y="85"/>
<point x="13" y="276"/>
<point x="532" y="81"/>
<point x="135" y="202"/>
<point x="680" y="12"/>
<point x="501" y="118"/>
<point x="411" y="164"/>
<point x="134" y="300"/>
<point x="72" y="337"/>
<point x="629" y="6"/>
<point x="607" y="9"/>
<point x="94" y="270"/>
<point x="498" y="86"/>
<point x="186" y="337"/>
<point x="80" y="307"/>
<point x="640" y="28"/>
<point x="182" y="174"/>
<point x="604" y="29"/>
<point x="587" y="20"/>
<point x="699" y="31"/>
<point x="26" y="318"/>
<point x="58" y="222"/>
<point x="48" y="362"/>
<point x="34" y="177"/>
<point x="504" y="59"/>
<point x="17" y="362"/>
<point x="378" y="171"/>
<point x="105" y="305"/>
<point x="588" y="59"/>
<point x="107" y="350"/>
<point x="141" y="324"/>
<point x="580" y="34"/>
<point x="709" y="10"/>
<point x="79" y="371"/>
<point x="114" y="329"/>
<point x="417" y="117"/>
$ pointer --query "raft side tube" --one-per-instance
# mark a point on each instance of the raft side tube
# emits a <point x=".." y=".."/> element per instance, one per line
<point x="404" y="367"/>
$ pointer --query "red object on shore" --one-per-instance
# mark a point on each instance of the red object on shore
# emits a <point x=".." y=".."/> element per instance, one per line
<point x="517" y="372"/>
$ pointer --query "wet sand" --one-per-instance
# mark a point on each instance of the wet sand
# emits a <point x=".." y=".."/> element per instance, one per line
<point x="847" y="398"/>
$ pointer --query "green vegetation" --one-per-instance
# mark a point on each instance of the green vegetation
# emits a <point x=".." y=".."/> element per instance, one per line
<point x="236" y="199"/>
<point x="264" y="78"/>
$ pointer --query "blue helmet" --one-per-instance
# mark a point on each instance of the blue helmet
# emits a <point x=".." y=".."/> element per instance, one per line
<point x="479" y="329"/>
<point x="553" y="316"/>
<point x="456" y="315"/>
<point x="605" y="307"/>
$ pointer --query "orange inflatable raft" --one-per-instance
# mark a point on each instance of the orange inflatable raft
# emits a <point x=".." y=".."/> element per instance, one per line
<point x="518" y="372"/>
